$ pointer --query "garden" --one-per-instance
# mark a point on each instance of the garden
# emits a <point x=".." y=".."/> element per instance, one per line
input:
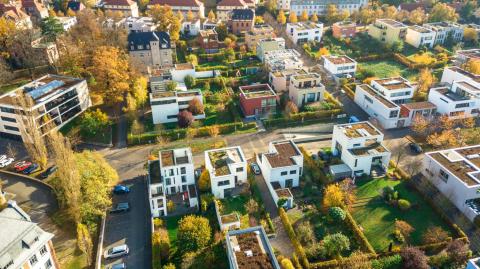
<point x="383" y="69"/>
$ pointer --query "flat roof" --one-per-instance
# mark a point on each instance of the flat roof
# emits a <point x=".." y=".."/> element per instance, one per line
<point x="257" y="91"/>
<point x="471" y="53"/>
<point x="173" y="157"/>
<point x="445" y="91"/>
<point x="392" y="23"/>
<point x="305" y="25"/>
<point x="306" y="76"/>
<point x="184" y="66"/>
<point x="464" y="72"/>
<point x="358" y="129"/>
<point x="284" y="151"/>
<point x="346" y="24"/>
<point x="420" y="29"/>
<point x="371" y="149"/>
<point x="339" y="59"/>
<point x="220" y="159"/>
<point x="377" y="96"/>
<point x="393" y="83"/>
<point x="468" y="86"/>
<point x="419" y="105"/>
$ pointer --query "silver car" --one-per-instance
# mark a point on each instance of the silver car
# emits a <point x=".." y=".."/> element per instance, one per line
<point x="117" y="251"/>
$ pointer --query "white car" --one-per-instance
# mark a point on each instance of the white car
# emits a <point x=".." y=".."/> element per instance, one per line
<point x="117" y="251"/>
<point x="5" y="162"/>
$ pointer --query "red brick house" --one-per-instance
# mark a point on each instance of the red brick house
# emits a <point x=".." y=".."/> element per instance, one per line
<point x="344" y="29"/>
<point x="257" y="101"/>
<point x="208" y="40"/>
<point x="241" y="20"/>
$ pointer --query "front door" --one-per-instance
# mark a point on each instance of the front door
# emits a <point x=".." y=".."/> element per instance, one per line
<point x="288" y="183"/>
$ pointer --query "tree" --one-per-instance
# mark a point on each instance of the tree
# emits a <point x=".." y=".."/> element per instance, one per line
<point x="170" y="206"/>
<point x="5" y="72"/>
<point x="140" y="90"/>
<point x="398" y="46"/>
<point x="185" y="118"/>
<point x="434" y="235"/>
<point x="414" y="258"/>
<point x="204" y="181"/>
<point x="169" y="266"/>
<point x="305" y="233"/>
<point x="192" y="58"/>
<point x="442" y="12"/>
<point x="189" y="81"/>
<point x="357" y="260"/>
<point x="271" y="5"/>
<point x="425" y="81"/>
<point x="194" y="233"/>
<point x="468" y="9"/>
<point x="84" y="242"/>
<point x="222" y="31"/>
<point x="402" y="15"/>
<point x="195" y="106"/>
<point x="417" y="16"/>
<point x="333" y="196"/>
<point x="23" y="54"/>
<point x="286" y="264"/>
<point x="51" y="28"/>
<point x="473" y="66"/>
<point x="281" y="17"/>
<point x="160" y="247"/>
<point x="336" y="243"/>
<point x="331" y="14"/>
<point x="459" y="252"/>
<point x="343" y="15"/>
<point x="292" y="18"/>
<point x="314" y="17"/>
<point x="251" y="206"/>
<point x="166" y="20"/>
<point x="229" y="55"/>
<point x="444" y="139"/>
<point x="259" y="20"/>
<point x="304" y="16"/>
<point x="93" y="121"/>
<point x="171" y="86"/>
<point x="336" y="214"/>
<point x="470" y="34"/>
<point x="211" y="15"/>
<point x="390" y="12"/>
<point x="290" y="109"/>
<point x="404" y="228"/>
<point x="190" y="15"/>
<point x="8" y="31"/>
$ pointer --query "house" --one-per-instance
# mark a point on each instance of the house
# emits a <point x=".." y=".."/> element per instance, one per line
<point x="167" y="104"/>
<point x="184" y="6"/>
<point x="15" y="14"/>
<point x="36" y="9"/>
<point x="419" y="36"/>
<point x="228" y="221"/>
<point x="344" y="29"/>
<point x="225" y="8"/>
<point x="57" y="100"/>
<point x="396" y="89"/>
<point x="125" y="7"/>
<point x="252" y="4"/>
<point x="67" y="22"/>
<point x="455" y="73"/>
<point x="257" y="33"/>
<point x="284" y="59"/>
<point x="305" y="89"/>
<point x="457" y="100"/>
<point x="190" y="28"/>
<point x="319" y="7"/>
<point x="283" y="5"/>
<point x="257" y="101"/>
<point x="384" y="111"/>
<point x="227" y="168"/>
<point x="387" y="31"/>
<point x="303" y="32"/>
<point x="180" y="71"/>
<point x="75" y="6"/>
<point x="139" y="24"/>
<point x="280" y="80"/>
<point x="208" y="40"/>
<point x="454" y="172"/>
<point x="340" y="66"/>
<point x="46" y="51"/>
<point x="409" y="111"/>
<point x="171" y="177"/>
<point x="241" y="20"/>
<point x="281" y="168"/>
<point x="24" y="244"/>
<point x="209" y="24"/>
<point x="270" y="44"/>
<point x="250" y="248"/>
<point x="360" y="146"/>
<point x="445" y="31"/>
<point x="463" y="56"/>
<point x="152" y="49"/>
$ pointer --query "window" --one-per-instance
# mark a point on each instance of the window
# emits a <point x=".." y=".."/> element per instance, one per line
<point x="7" y="110"/>
<point x="172" y="117"/>
<point x="184" y="179"/>
<point x="443" y="176"/>
<point x="223" y="183"/>
<point x="183" y="170"/>
<point x="9" y="119"/>
<point x="11" y="128"/>
<point x="48" y="264"/>
<point x="456" y="106"/>
<point x="43" y="250"/>
<point x="164" y="102"/>
<point x="172" y="172"/>
<point x="33" y="259"/>
<point x="356" y="161"/>
<point x="239" y="169"/>
<point x="394" y="114"/>
<point x="356" y="145"/>
<point x="292" y="172"/>
<point x="369" y="99"/>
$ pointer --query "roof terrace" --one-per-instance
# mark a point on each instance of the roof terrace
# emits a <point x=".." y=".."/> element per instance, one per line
<point x="257" y="91"/>
<point x="393" y="83"/>
<point x="339" y="59"/>
<point x="420" y="29"/>
<point x="358" y="129"/>
<point x="302" y="26"/>
<point x="220" y="159"/>
<point x="174" y="157"/>
<point x="284" y="151"/>
<point x="392" y="23"/>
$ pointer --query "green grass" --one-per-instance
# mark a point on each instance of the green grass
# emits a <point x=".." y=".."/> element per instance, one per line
<point x="171" y="224"/>
<point x="235" y="204"/>
<point x="388" y="68"/>
<point x="16" y="84"/>
<point x="377" y="218"/>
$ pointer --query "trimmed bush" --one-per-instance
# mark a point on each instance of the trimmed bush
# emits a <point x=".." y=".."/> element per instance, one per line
<point x="293" y="237"/>
<point x="404" y="204"/>
<point x="359" y="234"/>
<point x="390" y="262"/>
<point x="336" y="213"/>
<point x="300" y="117"/>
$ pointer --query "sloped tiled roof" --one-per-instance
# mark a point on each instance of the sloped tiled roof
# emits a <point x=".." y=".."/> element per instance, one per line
<point x="144" y="39"/>
<point x="177" y="3"/>
<point x="243" y="14"/>
<point x="119" y="2"/>
<point x="230" y="3"/>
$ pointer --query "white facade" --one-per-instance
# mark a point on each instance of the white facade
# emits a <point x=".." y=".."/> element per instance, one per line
<point x="167" y="104"/>
<point x="454" y="73"/>
<point x="458" y="100"/>
<point x="67" y="22"/>
<point x="126" y="8"/>
<point x="304" y="89"/>
<point x="139" y="24"/>
<point x="190" y="28"/>
<point x="360" y="147"/>
<point x="302" y="32"/>
<point x="283" y="4"/>
<point x="396" y="89"/>
<point x="187" y="69"/>
<point x="340" y="66"/>
<point x="445" y="29"/>
<point x="57" y="101"/>
<point x="270" y="44"/>
<point x="377" y="106"/>
<point x="455" y="173"/>
<point x="227" y="168"/>
<point x="319" y="7"/>
<point x="280" y="80"/>
<point x="418" y="36"/>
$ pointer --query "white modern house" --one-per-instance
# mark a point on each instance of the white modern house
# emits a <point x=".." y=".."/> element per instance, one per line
<point x="56" y="100"/>
<point x="455" y="172"/>
<point x="191" y="28"/>
<point x="67" y="22"/>
<point x="305" y="89"/>
<point x="463" y="56"/>
<point x="302" y="32"/>
<point x="167" y="104"/>
<point x="227" y="168"/>
<point x="340" y="66"/>
<point x="360" y="146"/>
<point x="377" y="106"/>
<point x="444" y="30"/>
<point x="284" y="59"/>
<point x="419" y="36"/>
<point x="280" y="80"/>
<point x="263" y="46"/>
<point x="455" y="73"/>
<point x="319" y="7"/>
<point x="281" y="168"/>
<point x="23" y="243"/>
<point x="139" y="24"/>
<point x="169" y="176"/>
<point x="396" y="89"/>
<point x="458" y="100"/>
<point x="180" y="71"/>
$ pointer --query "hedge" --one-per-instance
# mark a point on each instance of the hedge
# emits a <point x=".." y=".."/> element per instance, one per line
<point x="302" y="116"/>
<point x="349" y="91"/>
<point x="336" y="263"/>
<point x="293" y="237"/>
<point x="175" y="134"/>
<point x="412" y="65"/>
<point x="359" y="234"/>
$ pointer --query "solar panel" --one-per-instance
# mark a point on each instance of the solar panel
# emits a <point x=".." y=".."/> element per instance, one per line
<point x="44" y="89"/>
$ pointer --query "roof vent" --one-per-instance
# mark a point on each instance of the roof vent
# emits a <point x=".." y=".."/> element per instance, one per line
<point x="248" y="253"/>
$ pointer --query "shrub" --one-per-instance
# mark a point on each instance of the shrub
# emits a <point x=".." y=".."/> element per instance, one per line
<point x="305" y="233"/>
<point x="435" y="235"/>
<point x="92" y="122"/>
<point x="189" y="81"/>
<point x="185" y="118"/>
<point x="390" y="262"/>
<point x="333" y="196"/>
<point x="404" y="204"/>
<point x="170" y="206"/>
<point x="293" y="237"/>
<point x="458" y="251"/>
<point x="195" y="106"/>
<point x="413" y="258"/>
<point x="336" y="213"/>
<point x="336" y="243"/>
<point x="316" y="252"/>
<point x="403" y="228"/>
<point x="204" y="181"/>
<point x="287" y="264"/>
<point x="160" y="248"/>
<point x="194" y="233"/>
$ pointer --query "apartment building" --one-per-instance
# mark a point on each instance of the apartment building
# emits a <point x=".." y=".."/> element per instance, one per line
<point x="139" y="24"/>
<point x="445" y="30"/>
<point x="455" y="73"/>
<point x="167" y="104"/>
<point x="319" y="7"/>
<point x="284" y="59"/>
<point x="419" y="37"/>
<point x="463" y="56"/>
<point x="208" y="40"/>
<point x="281" y="168"/>
<point x="341" y="66"/>
<point x="152" y="49"/>
<point x="241" y="20"/>
<point x="225" y="8"/>
<point x="396" y="89"/>
<point x="227" y="168"/>
<point x="56" y="100"/>
<point x="270" y="44"/>
<point x="387" y="31"/>
<point x="457" y="100"/>
<point x="344" y="29"/>
<point x="257" y="101"/>
<point x="257" y="33"/>
<point x="305" y="89"/>
<point x="250" y="248"/>
<point x="125" y="7"/>
<point x="360" y="146"/>
<point x="455" y="172"/>
<point x="184" y="6"/>
<point x="303" y="32"/>
<point x="169" y="176"/>
<point x="24" y="244"/>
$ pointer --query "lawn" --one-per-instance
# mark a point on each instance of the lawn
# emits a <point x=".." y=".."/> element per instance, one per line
<point x="387" y="68"/>
<point x="377" y="218"/>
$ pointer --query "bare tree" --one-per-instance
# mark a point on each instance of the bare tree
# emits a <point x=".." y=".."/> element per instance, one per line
<point x="398" y="151"/>
<point x="24" y="53"/>
<point x="11" y="151"/>
<point x="5" y="72"/>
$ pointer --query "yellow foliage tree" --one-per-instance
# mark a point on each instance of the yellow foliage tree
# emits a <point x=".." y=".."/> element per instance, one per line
<point x="331" y="13"/>
<point x="211" y="15"/>
<point x="323" y="51"/>
<point x="292" y="18"/>
<point x="204" y="181"/>
<point x="7" y="35"/>
<point x="304" y="16"/>
<point x="333" y="196"/>
<point x="473" y="66"/>
<point x="470" y="34"/>
<point x="281" y="17"/>
<point x="425" y="81"/>
<point x="442" y="12"/>
<point x="314" y="17"/>
<point x="190" y="15"/>
<point x="417" y="16"/>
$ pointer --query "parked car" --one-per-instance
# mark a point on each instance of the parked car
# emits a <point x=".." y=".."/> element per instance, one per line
<point x="255" y="168"/>
<point x="6" y="162"/>
<point x="45" y="174"/>
<point x="121" y="189"/>
<point x="414" y="147"/>
<point x="324" y="156"/>
<point x="20" y="166"/>
<point x="118" y="266"/>
<point x="117" y="251"/>
<point x="120" y="207"/>
<point x="353" y="119"/>
<point x="30" y="169"/>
